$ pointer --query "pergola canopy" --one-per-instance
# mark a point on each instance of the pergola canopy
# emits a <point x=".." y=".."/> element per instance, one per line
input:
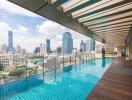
<point x="104" y="20"/>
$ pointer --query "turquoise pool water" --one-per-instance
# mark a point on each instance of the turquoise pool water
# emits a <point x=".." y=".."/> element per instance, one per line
<point x="71" y="83"/>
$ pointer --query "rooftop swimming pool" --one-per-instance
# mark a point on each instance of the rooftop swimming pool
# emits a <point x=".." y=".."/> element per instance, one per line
<point x="74" y="82"/>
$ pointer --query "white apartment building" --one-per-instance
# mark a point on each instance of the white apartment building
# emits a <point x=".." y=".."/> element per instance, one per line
<point x="41" y="49"/>
<point x="109" y="48"/>
<point x="98" y="47"/>
<point x="11" y="60"/>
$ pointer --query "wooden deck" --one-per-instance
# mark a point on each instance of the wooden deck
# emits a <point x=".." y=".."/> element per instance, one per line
<point x="116" y="83"/>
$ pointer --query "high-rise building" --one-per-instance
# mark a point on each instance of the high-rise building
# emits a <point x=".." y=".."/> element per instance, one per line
<point x="109" y="48"/>
<point x="92" y="44"/>
<point x="82" y="46"/>
<point x="23" y="51"/>
<point x="58" y="49"/>
<point x="41" y="49"/>
<point x="48" y="46"/>
<point x="11" y="60"/>
<point x="10" y="41"/>
<point x="67" y="45"/>
<point x="98" y="47"/>
<point x="88" y="45"/>
<point x="18" y="49"/>
<point x="37" y="50"/>
<point x="4" y="48"/>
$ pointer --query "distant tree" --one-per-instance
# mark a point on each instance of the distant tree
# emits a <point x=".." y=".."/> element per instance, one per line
<point x="35" y="62"/>
<point x="18" y="72"/>
<point x="1" y="67"/>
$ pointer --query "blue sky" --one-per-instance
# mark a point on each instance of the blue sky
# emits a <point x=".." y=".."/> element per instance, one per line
<point x="30" y="29"/>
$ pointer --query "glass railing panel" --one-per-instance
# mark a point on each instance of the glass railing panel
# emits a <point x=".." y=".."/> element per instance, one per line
<point x="16" y="72"/>
<point x="41" y="65"/>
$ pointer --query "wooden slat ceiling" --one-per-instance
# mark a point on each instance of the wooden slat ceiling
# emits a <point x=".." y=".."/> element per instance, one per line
<point x="107" y="19"/>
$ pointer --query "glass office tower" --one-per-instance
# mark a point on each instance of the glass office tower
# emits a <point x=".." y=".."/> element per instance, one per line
<point x="67" y="45"/>
<point x="48" y="46"/>
<point x="10" y="41"/>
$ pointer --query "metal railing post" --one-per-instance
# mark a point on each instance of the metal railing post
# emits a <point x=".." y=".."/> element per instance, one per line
<point x="26" y="68"/>
<point x="63" y="61"/>
<point x="59" y="61"/>
<point x="86" y="57"/>
<point x="55" y="64"/>
<point x="43" y="68"/>
<point x="70" y="59"/>
<point x="75" y="58"/>
<point x="83" y="57"/>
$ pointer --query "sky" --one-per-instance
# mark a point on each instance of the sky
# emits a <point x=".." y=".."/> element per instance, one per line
<point x="30" y="29"/>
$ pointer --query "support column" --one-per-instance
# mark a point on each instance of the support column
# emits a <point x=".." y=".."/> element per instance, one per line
<point x="129" y="52"/>
<point x="119" y="51"/>
<point x="128" y="43"/>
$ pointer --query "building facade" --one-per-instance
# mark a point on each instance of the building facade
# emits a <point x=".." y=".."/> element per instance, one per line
<point x="67" y="44"/>
<point x="4" y="48"/>
<point x="48" y="46"/>
<point x="88" y="45"/>
<point x="98" y="47"/>
<point x="11" y="60"/>
<point x="18" y="49"/>
<point x="37" y="50"/>
<point x="10" y="41"/>
<point x="92" y="44"/>
<point x="41" y="49"/>
<point x="109" y="48"/>
<point x="82" y="46"/>
<point x="58" y="50"/>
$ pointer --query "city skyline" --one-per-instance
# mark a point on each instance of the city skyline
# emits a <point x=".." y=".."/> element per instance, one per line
<point x="44" y="47"/>
<point x="87" y="46"/>
<point x="34" y="31"/>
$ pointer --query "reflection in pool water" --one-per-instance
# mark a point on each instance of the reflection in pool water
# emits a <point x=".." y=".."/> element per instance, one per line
<point x="103" y="62"/>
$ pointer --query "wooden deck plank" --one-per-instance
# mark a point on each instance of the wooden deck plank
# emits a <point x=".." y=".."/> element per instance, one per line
<point x="114" y="85"/>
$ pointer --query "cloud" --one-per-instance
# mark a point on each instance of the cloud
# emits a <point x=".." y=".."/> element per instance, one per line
<point x="14" y="9"/>
<point x="21" y="35"/>
<point x="48" y="29"/>
<point x="3" y="15"/>
<point x="54" y="31"/>
<point x="3" y="31"/>
<point x="21" y="28"/>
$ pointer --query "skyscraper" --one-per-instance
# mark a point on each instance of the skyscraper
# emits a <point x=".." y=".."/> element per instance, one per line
<point x="67" y="44"/>
<point x="4" y="48"/>
<point x="10" y="41"/>
<point x="88" y="45"/>
<point x="41" y="49"/>
<point x="58" y="49"/>
<point x="48" y="46"/>
<point x="18" y="49"/>
<point x="92" y="44"/>
<point x="37" y="50"/>
<point x="82" y="46"/>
